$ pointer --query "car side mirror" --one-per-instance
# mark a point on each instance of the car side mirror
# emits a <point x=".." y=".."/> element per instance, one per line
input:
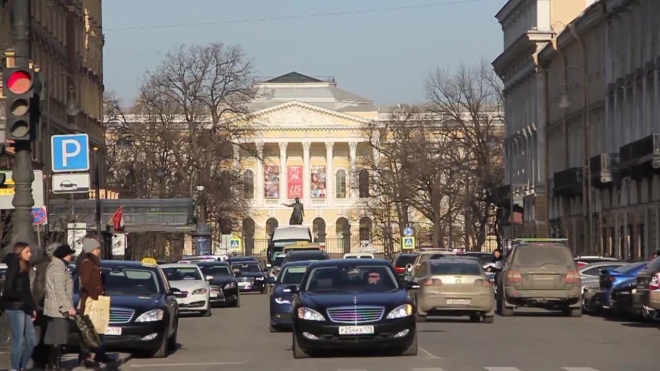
<point x="293" y="289"/>
<point x="411" y="285"/>
<point x="269" y="265"/>
<point x="209" y="278"/>
<point x="265" y="270"/>
<point x="175" y="292"/>
<point x="271" y="280"/>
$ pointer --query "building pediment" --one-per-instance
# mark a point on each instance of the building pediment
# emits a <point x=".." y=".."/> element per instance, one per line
<point x="296" y="114"/>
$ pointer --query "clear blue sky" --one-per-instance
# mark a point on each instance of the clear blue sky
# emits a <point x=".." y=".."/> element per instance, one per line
<point x="383" y="55"/>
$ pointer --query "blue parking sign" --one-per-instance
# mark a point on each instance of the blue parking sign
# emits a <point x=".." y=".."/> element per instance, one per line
<point x="69" y="153"/>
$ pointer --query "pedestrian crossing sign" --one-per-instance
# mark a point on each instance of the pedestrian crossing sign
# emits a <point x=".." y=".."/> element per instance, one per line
<point x="235" y="244"/>
<point x="408" y="243"/>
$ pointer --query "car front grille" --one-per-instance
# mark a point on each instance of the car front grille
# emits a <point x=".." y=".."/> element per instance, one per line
<point x="121" y="315"/>
<point x="356" y="314"/>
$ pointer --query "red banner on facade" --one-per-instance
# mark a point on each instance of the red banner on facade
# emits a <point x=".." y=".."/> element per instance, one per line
<point x="294" y="182"/>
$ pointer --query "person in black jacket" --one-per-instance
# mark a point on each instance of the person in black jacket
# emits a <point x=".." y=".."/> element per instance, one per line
<point x="18" y="305"/>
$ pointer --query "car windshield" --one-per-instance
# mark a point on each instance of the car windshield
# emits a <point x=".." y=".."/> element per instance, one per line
<point x="305" y="256"/>
<point x="539" y="255"/>
<point x="278" y="261"/>
<point x="182" y="273"/>
<point x="404" y="260"/>
<point x="127" y="281"/>
<point x="483" y="258"/>
<point x="630" y="269"/>
<point x="212" y="270"/>
<point x="246" y="267"/>
<point x="360" y="278"/>
<point x="292" y="275"/>
<point x="455" y="269"/>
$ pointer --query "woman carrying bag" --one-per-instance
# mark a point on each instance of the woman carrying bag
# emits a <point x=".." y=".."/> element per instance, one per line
<point x="19" y="307"/>
<point x="91" y="288"/>
<point x="58" y="305"/>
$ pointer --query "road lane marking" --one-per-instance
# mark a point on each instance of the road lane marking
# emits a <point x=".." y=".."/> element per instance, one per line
<point x="428" y="354"/>
<point x="428" y="369"/>
<point x="187" y="364"/>
<point x="579" y="369"/>
<point x="502" y="368"/>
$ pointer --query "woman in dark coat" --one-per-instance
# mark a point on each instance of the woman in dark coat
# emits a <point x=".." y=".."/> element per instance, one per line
<point x="18" y="305"/>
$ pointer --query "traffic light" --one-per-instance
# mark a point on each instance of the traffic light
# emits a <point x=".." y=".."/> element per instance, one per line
<point x="18" y="88"/>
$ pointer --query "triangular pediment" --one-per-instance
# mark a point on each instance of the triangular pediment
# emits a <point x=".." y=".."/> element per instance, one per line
<point x="299" y="114"/>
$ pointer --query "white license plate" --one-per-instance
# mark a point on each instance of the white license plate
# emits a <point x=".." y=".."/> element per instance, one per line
<point x="113" y="331"/>
<point x="243" y="284"/>
<point x="214" y="294"/>
<point x="356" y="330"/>
<point x="458" y="301"/>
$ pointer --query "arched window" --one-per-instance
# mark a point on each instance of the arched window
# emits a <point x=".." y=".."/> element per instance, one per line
<point x="363" y="182"/>
<point x="340" y="185"/>
<point x="248" y="185"/>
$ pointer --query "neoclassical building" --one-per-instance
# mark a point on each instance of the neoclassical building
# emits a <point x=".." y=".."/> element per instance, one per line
<point x="310" y="139"/>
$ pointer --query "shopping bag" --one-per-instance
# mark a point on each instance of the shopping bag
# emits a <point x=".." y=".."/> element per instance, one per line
<point x="99" y="312"/>
<point x="88" y="336"/>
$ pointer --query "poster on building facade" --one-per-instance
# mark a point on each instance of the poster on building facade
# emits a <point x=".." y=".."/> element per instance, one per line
<point x="271" y="182"/>
<point x="318" y="181"/>
<point x="295" y="182"/>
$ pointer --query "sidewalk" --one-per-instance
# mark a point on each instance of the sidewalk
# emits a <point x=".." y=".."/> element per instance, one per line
<point x="70" y="361"/>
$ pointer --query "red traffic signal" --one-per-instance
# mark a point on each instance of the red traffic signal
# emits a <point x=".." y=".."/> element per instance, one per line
<point x="19" y="82"/>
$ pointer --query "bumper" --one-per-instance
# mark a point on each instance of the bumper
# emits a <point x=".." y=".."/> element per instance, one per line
<point x="134" y="336"/>
<point x="544" y="298"/>
<point x="280" y="315"/>
<point x="195" y="303"/>
<point x="392" y="334"/>
<point x="442" y="304"/>
<point x="252" y="286"/>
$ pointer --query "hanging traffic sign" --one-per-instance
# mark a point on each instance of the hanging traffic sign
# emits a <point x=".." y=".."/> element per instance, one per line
<point x="408" y="243"/>
<point x="407" y="231"/>
<point x="39" y="216"/>
<point x="235" y="244"/>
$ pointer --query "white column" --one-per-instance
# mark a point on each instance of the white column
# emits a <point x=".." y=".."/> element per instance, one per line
<point x="307" y="174"/>
<point x="283" y="183"/>
<point x="354" y="176"/>
<point x="329" y="173"/>
<point x="260" y="174"/>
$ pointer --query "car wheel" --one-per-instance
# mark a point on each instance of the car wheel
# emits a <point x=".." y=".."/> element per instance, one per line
<point x="298" y="352"/>
<point x="489" y="319"/>
<point x="171" y="342"/>
<point x="572" y="312"/>
<point x="207" y="313"/>
<point x="504" y="311"/>
<point x="411" y="350"/>
<point x="274" y="328"/>
<point x="161" y="351"/>
<point x="237" y="303"/>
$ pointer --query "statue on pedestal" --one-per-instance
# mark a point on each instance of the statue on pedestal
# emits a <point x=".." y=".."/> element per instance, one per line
<point x="297" y="214"/>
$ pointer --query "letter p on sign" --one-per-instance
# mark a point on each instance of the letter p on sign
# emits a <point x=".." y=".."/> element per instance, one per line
<point x="66" y="154"/>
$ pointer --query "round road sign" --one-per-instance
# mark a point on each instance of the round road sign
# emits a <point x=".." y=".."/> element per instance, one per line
<point x="408" y="232"/>
<point x="39" y="216"/>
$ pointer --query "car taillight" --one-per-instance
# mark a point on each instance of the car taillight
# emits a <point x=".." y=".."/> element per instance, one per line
<point x="655" y="283"/>
<point x="581" y="264"/>
<point x="400" y="269"/>
<point x="572" y="278"/>
<point x="483" y="283"/>
<point x="432" y="282"/>
<point x="513" y="277"/>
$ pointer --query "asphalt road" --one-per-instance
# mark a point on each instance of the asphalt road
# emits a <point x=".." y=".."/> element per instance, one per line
<point x="236" y="339"/>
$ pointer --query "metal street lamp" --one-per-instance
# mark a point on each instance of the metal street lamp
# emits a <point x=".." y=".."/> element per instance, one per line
<point x="72" y="110"/>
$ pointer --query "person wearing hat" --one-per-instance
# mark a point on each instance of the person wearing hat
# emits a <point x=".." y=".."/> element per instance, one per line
<point x="41" y="352"/>
<point x="58" y="304"/>
<point x="91" y="287"/>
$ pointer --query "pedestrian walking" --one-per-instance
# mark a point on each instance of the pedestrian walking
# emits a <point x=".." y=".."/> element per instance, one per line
<point x="58" y="304"/>
<point x="41" y="352"/>
<point x="18" y="305"/>
<point x="91" y="287"/>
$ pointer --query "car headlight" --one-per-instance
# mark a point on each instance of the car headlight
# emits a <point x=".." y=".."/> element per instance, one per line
<point x="259" y="278"/>
<point x="282" y="301"/>
<point x="309" y="314"/>
<point x="151" y="316"/>
<point x="401" y="311"/>
<point x="230" y="285"/>
<point x="200" y="291"/>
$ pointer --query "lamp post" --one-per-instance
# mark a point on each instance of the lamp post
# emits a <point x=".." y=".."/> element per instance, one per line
<point x="72" y="110"/>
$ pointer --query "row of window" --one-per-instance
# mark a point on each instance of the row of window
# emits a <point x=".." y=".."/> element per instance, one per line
<point x="340" y="185"/>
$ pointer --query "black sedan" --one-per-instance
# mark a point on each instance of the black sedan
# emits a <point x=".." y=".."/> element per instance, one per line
<point x="223" y="283"/>
<point x="250" y="276"/>
<point x="352" y="304"/>
<point x="291" y="274"/>
<point x="144" y="314"/>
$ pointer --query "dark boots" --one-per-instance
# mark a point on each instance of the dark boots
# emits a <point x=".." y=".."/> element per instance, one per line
<point x="55" y="359"/>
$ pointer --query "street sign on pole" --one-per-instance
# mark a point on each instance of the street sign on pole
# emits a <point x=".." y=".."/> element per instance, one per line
<point x="407" y="231"/>
<point x="235" y="244"/>
<point x="70" y="153"/>
<point x="39" y="216"/>
<point x="408" y="243"/>
<point x="71" y="183"/>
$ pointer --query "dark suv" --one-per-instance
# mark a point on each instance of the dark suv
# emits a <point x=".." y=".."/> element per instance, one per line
<point x="648" y="286"/>
<point x="540" y="275"/>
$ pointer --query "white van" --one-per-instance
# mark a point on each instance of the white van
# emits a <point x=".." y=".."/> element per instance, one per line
<point x="359" y="256"/>
<point x="287" y="235"/>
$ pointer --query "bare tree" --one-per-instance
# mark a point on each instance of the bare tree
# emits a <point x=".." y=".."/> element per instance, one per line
<point x="193" y="112"/>
<point x="469" y="104"/>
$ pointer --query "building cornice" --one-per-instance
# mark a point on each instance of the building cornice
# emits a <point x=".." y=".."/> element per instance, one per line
<point x="508" y="9"/>
<point x="311" y="107"/>
<point x="525" y="45"/>
<point x="583" y="23"/>
<point x="547" y="54"/>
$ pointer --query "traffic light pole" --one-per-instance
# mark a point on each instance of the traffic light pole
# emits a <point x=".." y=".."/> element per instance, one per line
<point x="22" y="174"/>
